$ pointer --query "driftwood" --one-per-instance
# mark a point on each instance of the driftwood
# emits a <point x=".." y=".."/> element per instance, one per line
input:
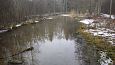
<point x="28" y="49"/>
<point x="17" y="62"/>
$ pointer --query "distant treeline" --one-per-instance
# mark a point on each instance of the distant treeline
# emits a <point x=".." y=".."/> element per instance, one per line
<point x="106" y="7"/>
<point x="17" y="10"/>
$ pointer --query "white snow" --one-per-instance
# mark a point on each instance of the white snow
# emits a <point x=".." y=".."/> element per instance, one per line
<point x="2" y="31"/>
<point x="108" y="34"/>
<point x="87" y="21"/>
<point x="113" y="35"/>
<point x="36" y="21"/>
<point x="108" y="16"/>
<point x="65" y="15"/>
<point x="49" y="18"/>
<point x="104" y="60"/>
<point x="102" y="33"/>
<point x="111" y="42"/>
<point x="18" y="25"/>
<point x="112" y="17"/>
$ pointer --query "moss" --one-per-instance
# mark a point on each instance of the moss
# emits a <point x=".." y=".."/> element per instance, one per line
<point x="99" y="42"/>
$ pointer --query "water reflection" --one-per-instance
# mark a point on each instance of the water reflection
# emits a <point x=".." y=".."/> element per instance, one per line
<point x="52" y="40"/>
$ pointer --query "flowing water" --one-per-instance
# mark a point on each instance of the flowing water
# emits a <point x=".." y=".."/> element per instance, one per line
<point x="54" y="42"/>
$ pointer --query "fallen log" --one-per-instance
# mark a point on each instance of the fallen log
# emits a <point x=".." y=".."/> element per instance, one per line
<point x="28" y="49"/>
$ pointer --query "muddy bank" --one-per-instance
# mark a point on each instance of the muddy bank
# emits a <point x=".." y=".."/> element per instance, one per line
<point x="99" y="42"/>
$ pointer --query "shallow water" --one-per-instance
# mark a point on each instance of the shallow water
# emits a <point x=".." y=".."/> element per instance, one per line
<point x="54" y="43"/>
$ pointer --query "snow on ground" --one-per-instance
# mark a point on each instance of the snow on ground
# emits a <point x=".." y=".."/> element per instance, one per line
<point x="18" y="25"/>
<point x="103" y="33"/>
<point x="2" y="31"/>
<point x="65" y="15"/>
<point x="108" y="34"/>
<point x="108" y="16"/>
<point x="87" y="21"/>
<point x="104" y="60"/>
<point x="49" y="18"/>
<point x="36" y="21"/>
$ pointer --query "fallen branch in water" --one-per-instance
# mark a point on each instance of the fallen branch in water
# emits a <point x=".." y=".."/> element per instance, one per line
<point x="28" y="49"/>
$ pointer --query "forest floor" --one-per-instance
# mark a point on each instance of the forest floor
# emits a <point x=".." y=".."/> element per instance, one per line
<point x="100" y="31"/>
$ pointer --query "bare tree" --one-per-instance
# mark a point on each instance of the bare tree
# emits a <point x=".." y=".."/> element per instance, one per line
<point x="111" y="1"/>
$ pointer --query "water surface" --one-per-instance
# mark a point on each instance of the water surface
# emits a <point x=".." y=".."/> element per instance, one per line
<point x="54" y="43"/>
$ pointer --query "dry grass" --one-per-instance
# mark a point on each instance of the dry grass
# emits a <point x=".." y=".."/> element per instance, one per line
<point x="100" y="43"/>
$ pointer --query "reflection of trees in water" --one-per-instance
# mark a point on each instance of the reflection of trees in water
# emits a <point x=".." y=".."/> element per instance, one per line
<point x="86" y="54"/>
<point x="70" y="27"/>
<point x="30" y="35"/>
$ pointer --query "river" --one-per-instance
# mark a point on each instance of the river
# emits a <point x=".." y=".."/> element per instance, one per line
<point x="54" y="42"/>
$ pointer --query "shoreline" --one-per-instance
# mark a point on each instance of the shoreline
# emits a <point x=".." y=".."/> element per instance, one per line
<point x="98" y="41"/>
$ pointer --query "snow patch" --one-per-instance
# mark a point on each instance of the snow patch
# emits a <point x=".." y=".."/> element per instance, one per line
<point x="108" y="16"/>
<point x="2" y="31"/>
<point x="65" y="15"/>
<point x="105" y="33"/>
<point x="36" y="21"/>
<point x="104" y="60"/>
<point x="18" y="25"/>
<point x="49" y="18"/>
<point x="87" y="21"/>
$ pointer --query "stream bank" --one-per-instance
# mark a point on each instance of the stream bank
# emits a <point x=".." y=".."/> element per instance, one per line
<point x="105" y="48"/>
